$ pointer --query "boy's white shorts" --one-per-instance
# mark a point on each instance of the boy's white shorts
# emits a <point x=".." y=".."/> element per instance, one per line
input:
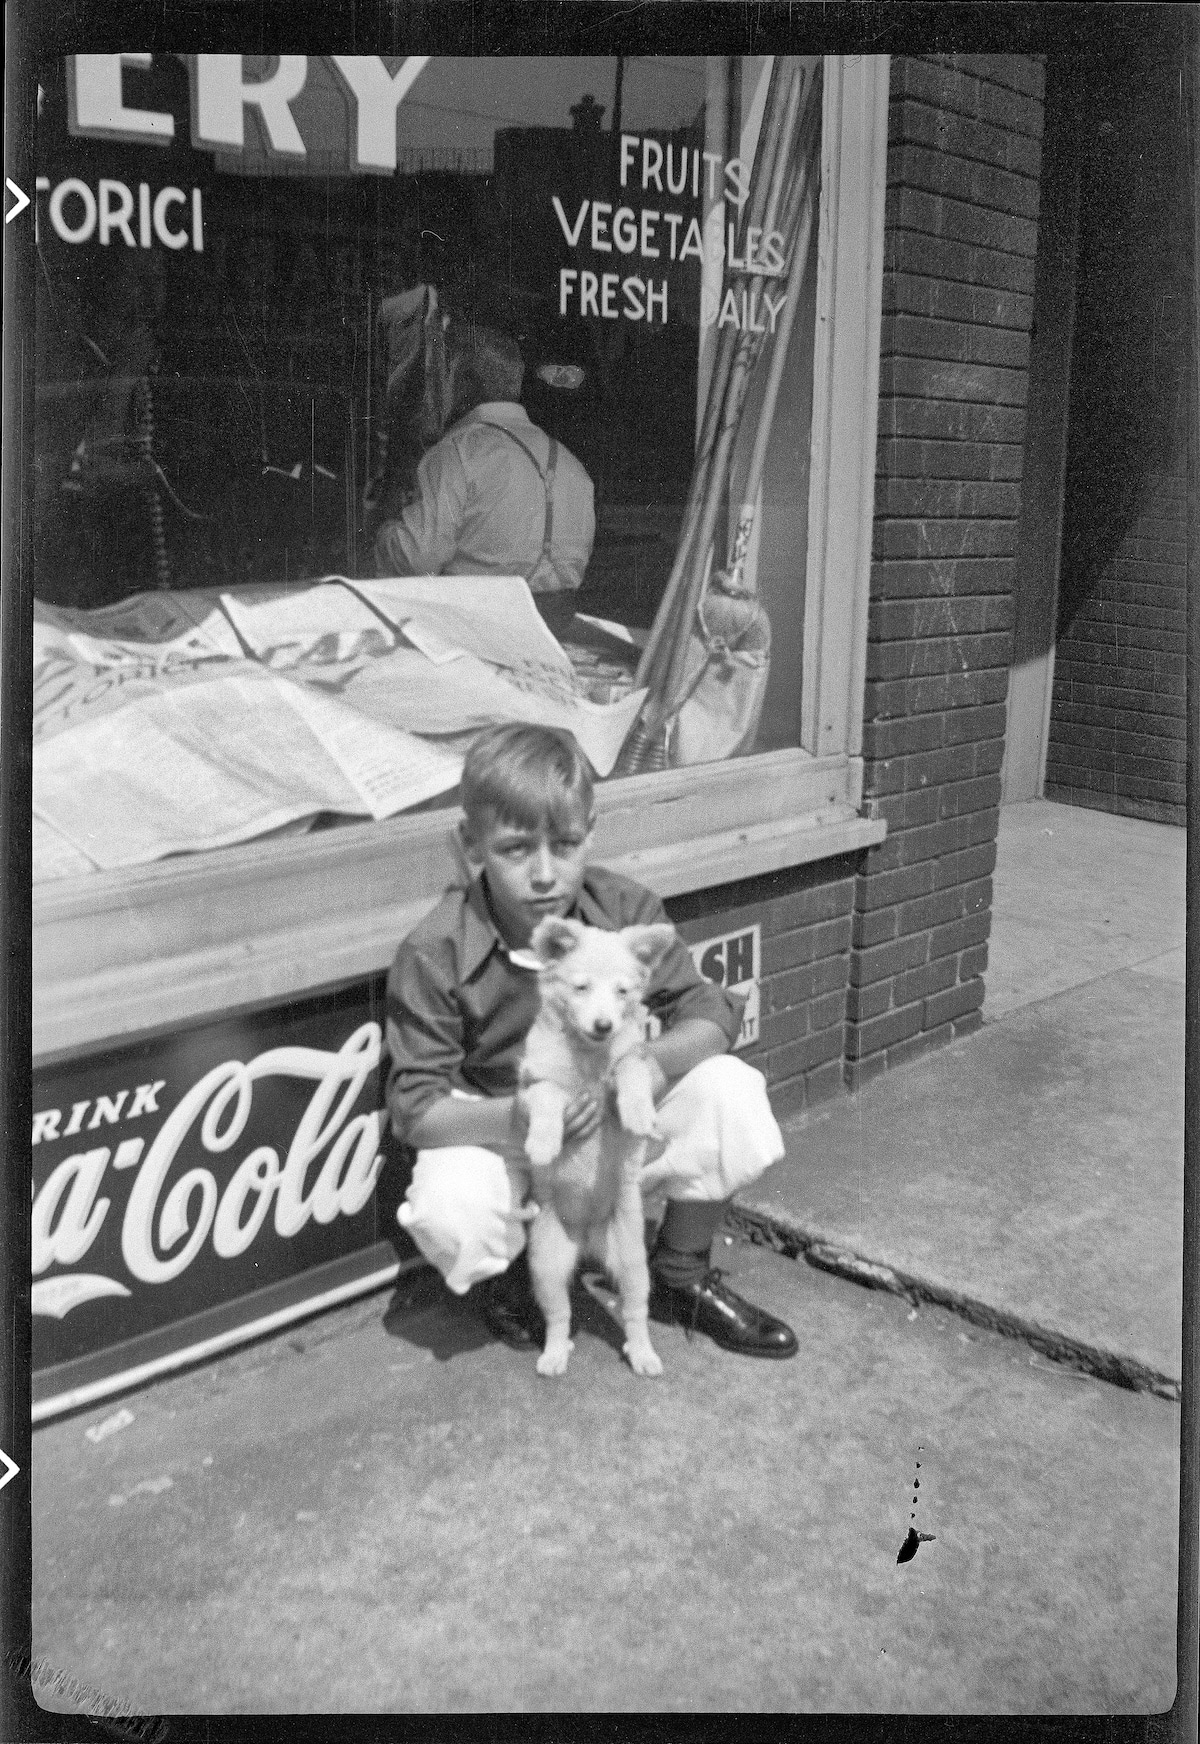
<point x="462" y="1203"/>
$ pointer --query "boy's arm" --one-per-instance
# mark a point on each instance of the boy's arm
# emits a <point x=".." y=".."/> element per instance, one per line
<point x="426" y="1048"/>
<point x="425" y="1043"/>
<point x="455" y="1120"/>
<point x="683" y="1046"/>
<point x="699" y="1019"/>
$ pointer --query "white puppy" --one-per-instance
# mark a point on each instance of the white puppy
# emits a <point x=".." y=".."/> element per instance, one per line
<point x="589" y="1036"/>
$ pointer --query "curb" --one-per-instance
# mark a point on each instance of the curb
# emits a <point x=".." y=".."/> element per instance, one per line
<point x="787" y="1235"/>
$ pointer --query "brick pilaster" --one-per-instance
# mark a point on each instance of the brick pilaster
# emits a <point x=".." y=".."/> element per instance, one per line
<point x="964" y="162"/>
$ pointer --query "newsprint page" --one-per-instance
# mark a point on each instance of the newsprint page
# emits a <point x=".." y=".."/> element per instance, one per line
<point x="597" y="750"/>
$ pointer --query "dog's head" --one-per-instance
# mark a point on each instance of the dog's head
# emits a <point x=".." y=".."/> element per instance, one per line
<point x="594" y="981"/>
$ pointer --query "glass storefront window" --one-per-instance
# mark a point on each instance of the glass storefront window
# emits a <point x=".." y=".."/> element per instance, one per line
<point x="309" y="327"/>
<point x="254" y="280"/>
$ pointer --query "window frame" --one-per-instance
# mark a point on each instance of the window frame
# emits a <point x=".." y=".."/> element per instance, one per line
<point x="120" y="955"/>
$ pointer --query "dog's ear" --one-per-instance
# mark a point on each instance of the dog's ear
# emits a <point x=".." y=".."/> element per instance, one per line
<point x="649" y="944"/>
<point x="555" y="938"/>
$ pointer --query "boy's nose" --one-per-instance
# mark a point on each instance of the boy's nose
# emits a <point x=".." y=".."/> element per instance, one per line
<point x="543" y="868"/>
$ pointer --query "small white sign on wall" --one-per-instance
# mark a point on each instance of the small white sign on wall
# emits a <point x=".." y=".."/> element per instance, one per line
<point x="734" y="961"/>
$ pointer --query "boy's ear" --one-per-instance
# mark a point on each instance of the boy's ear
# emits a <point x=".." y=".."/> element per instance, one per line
<point x="649" y="944"/>
<point x="466" y="843"/>
<point x="555" y="938"/>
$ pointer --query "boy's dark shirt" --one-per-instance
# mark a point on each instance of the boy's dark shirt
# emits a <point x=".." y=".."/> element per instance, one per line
<point x="458" y="1008"/>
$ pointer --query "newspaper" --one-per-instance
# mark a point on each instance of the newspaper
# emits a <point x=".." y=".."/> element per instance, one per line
<point x="54" y="856"/>
<point x="174" y="723"/>
<point x="141" y="782"/>
<point x="88" y="663"/>
<point x="466" y="651"/>
<point x="325" y="623"/>
<point x="70" y="690"/>
<point x="491" y="616"/>
<point x="158" y="627"/>
<point x="390" y="770"/>
<point x="466" y="695"/>
<point x="210" y="764"/>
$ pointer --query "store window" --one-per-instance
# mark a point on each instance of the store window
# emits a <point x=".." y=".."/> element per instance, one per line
<point x="270" y="292"/>
<point x="377" y="398"/>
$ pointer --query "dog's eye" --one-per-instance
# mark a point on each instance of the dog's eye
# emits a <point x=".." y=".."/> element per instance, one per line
<point x="581" y="986"/>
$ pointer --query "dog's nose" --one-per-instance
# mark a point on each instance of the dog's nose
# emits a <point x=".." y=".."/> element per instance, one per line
<point x="602" y="1026"/>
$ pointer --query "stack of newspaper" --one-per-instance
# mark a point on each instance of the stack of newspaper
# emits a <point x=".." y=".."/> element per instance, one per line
<point x="177" y="722"/>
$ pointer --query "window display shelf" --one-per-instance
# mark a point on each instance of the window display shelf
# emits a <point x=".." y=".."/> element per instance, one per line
<point x="119" y="955"/>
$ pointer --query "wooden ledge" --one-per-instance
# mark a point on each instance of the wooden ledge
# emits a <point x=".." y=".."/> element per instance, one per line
<point x="121" y="956"/>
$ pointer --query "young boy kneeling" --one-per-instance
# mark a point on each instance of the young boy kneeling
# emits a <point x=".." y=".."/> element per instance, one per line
<point x="462" y="994"/>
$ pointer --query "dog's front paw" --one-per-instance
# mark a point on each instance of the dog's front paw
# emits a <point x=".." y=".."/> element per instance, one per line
<point x="553" y="1360"/>
<point x="643" y="1358"/>
<point x="637" y="1116"/>
<point x="542" y="1149"/>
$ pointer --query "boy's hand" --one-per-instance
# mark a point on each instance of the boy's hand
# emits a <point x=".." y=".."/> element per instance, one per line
<point x="583" y="1115"/>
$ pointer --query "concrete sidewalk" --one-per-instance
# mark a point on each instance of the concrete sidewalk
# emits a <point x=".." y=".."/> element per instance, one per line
<point x="385" y="1512"/>
<point x="1031" y="1175"/>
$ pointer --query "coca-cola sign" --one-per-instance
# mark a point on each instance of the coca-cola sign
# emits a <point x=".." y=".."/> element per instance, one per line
<point x="181" y="1173"/>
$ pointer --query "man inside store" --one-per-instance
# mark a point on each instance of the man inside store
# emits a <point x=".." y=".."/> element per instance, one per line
<point x="497" y="495"/>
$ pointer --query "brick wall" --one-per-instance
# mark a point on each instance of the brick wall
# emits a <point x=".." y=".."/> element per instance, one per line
<point x="964" y="160"/>
<point x="805" y="916"/>
<point x="1118" y="725"/>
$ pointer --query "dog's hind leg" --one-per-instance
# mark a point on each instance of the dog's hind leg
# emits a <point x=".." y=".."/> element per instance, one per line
<point x="552" y="1257"/>
<point x="626" y="1260"/>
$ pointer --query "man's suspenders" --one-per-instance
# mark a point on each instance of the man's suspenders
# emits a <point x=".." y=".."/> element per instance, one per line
<point x="547" y="477"/>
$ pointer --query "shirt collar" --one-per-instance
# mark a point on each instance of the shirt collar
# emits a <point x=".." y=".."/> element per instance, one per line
<point x="497" y="412"/>
<point x="589" y="909"/>
<point x="480" y="936"/>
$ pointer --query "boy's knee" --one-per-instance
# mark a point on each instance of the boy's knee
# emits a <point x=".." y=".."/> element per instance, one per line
<point x="721" y="1132"/>
<point x="722" y="1069"/>
<point x="459" y="1211"/>
<point x="724" y="1080"/>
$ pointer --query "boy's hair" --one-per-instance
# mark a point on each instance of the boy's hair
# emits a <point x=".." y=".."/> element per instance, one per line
<point x="527" y="776"/>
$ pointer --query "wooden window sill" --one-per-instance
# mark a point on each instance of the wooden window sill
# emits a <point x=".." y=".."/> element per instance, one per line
<point x="121" y="955"/>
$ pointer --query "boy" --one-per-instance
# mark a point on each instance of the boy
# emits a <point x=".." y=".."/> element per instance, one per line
<point x="462" y="994"/>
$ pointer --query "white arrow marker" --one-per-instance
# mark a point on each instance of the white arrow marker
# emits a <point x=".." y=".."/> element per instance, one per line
<point x="22" y="201"/>
<point x="11" y="1468"/>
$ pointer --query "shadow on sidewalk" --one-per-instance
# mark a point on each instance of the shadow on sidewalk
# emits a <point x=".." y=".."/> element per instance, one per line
<point x="423" y="1313"/>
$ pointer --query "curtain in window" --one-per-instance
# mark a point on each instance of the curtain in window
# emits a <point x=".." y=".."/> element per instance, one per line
<point x="705" y="662"/>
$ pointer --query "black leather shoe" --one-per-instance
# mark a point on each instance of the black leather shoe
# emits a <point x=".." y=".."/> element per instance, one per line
<point x="711" y="1307"/>
<point x="510" y="1316"/>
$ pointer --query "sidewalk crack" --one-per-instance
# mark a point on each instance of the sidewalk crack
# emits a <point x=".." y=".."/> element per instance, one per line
<point x="788" y="1236"/>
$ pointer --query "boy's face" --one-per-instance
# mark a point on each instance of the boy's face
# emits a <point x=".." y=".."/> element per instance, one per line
<point x="531" y="873"/>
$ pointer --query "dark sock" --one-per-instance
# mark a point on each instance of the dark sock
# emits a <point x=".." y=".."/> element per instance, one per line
<point x="681" y="1255"/>
<point x="515" y="1285"/>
